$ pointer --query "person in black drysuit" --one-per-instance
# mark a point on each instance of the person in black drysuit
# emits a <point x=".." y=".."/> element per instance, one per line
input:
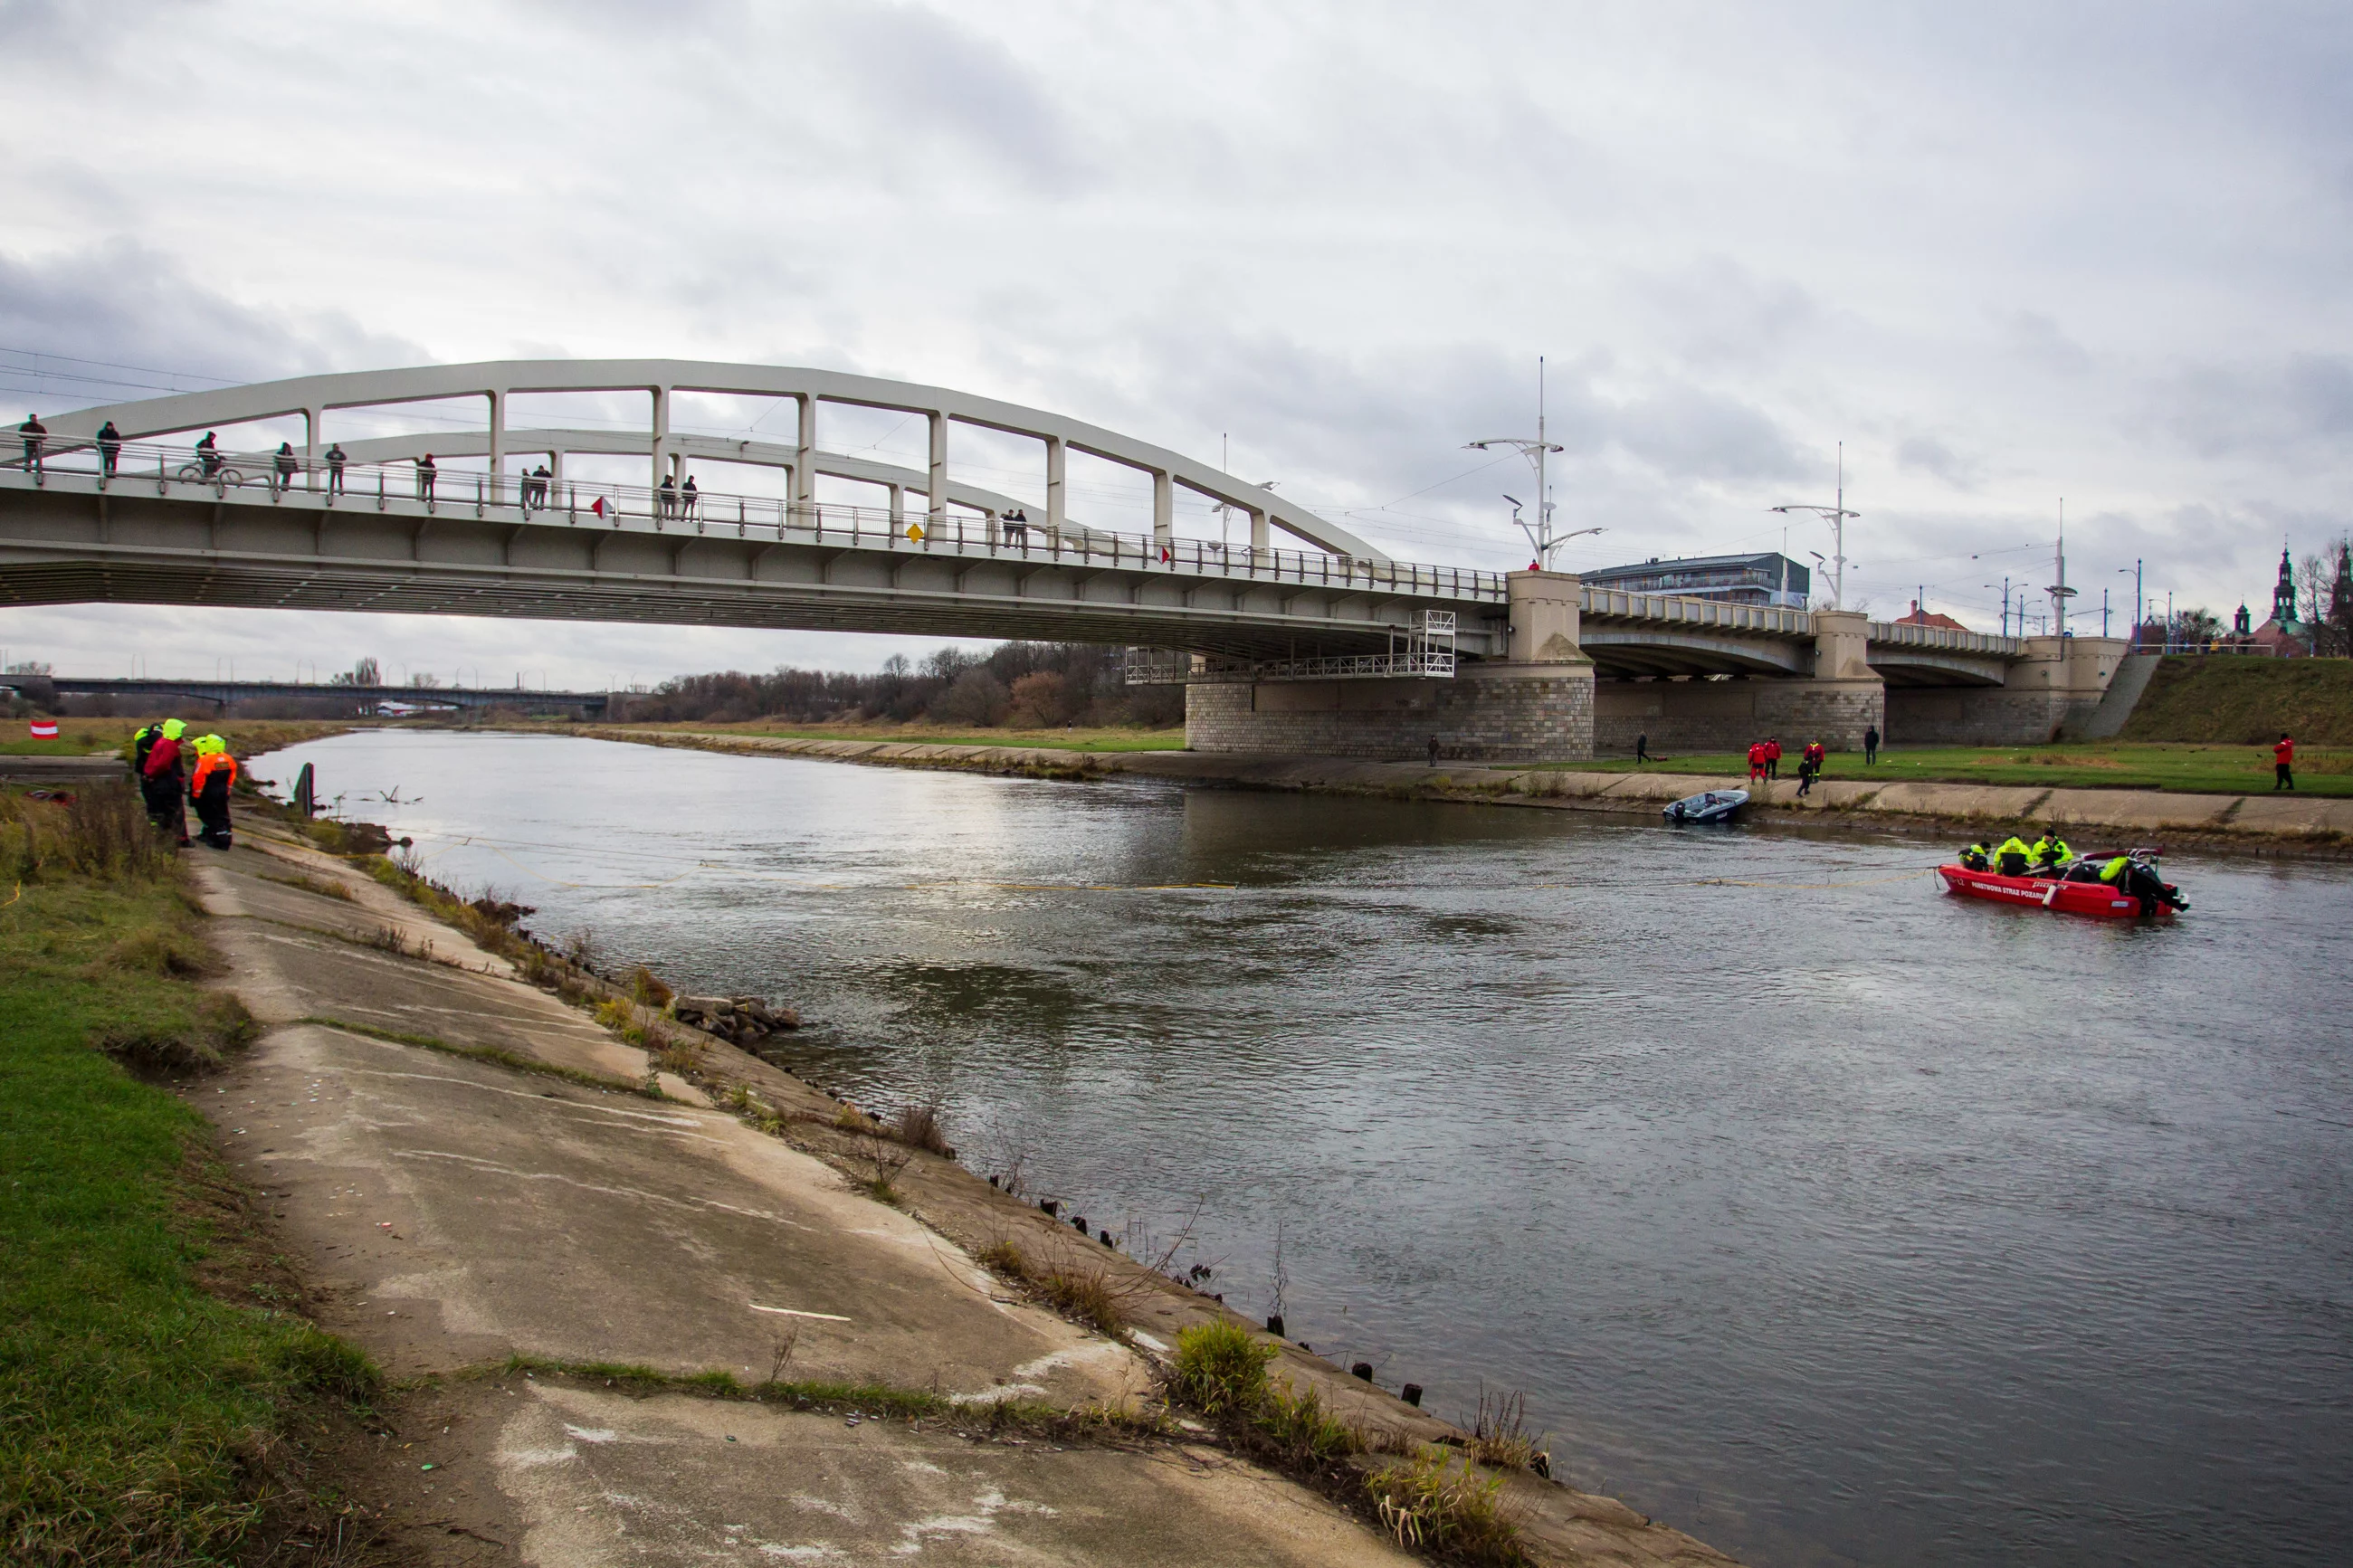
<point x="110" y="448"/>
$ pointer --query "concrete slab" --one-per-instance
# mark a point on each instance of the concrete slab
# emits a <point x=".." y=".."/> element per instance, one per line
<point x="2291" y="813"/>
<point x="457" y="1212"/>
<point x="571" y="1476"/>
<point x="2147" y="810"/>
<point x="1962" y="801"/>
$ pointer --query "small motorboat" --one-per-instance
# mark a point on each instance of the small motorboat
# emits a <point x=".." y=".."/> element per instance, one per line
<point x="2146" y="894"/>
<point x="1709" y="806"/>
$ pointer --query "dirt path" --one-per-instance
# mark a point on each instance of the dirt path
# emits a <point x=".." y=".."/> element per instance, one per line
<point x="473" y="1181"/>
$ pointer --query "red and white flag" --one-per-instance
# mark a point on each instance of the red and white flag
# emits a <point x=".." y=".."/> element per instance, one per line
<point x="599" y="508"/>
<point x="45" y="729"/>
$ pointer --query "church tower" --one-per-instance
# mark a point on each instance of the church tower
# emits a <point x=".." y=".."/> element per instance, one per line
<point x="2284" y="596"/>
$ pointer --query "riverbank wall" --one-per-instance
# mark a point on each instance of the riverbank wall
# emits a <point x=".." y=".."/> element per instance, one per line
<point x="630" y="1280"/>
<point x="2257" y="823"/>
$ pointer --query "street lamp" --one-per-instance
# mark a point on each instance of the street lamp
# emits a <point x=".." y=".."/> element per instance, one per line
<point x="1541" y="536"/>
<point x="2140" y="605"/>
<point x="1836" y="516"/>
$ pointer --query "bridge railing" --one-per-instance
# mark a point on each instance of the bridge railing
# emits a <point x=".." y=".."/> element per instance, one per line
<point x="1716" y="613"/>
<point x="585" y="504"/>
<point x="1943" y="639"/>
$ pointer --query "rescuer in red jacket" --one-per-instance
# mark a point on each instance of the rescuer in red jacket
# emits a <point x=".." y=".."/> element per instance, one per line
<point x="1756" y="760"/>
<point x="2284" y="764"/>
<point x="164" y="780"/>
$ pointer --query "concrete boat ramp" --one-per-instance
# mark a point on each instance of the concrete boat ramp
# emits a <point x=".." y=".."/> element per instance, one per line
<point x="465" y="1170"/>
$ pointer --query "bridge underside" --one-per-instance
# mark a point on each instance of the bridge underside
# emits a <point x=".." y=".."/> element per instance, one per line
<point x="1627" y="651"/>
<point x="58" y="547"/>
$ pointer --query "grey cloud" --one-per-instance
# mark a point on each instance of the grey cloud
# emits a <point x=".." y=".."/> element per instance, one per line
<point x="2038" y="338"/>
<point x="2223" y="410"/>
<point x="1717" y="311"/>
<point x="123" y="303"/>
<point x="1927" y="455"/>
<point x="918" y="67"/>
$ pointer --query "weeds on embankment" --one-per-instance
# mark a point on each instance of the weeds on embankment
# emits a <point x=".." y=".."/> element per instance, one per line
<point x="1429" y="1501"/>
<point x="1082" y="1292"/>
<point x="142" y="1413"/>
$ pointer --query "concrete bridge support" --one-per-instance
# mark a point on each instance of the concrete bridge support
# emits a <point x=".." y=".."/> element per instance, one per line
<point x="2055" y="686"/>
<point x="1843" y="698"/>
<point x="1534" y="705"/>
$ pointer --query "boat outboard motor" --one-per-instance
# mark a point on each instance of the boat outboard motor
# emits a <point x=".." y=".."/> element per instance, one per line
<point x="2143" y="882"/>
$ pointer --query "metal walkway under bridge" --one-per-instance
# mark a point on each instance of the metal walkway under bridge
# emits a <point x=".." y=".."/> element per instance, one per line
<point x="152" y="520"/>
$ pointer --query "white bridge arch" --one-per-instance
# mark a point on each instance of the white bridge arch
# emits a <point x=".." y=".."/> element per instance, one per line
<point x="496" y="382"/>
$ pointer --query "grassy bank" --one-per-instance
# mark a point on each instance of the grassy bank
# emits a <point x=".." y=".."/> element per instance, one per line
<point x="2246" y="701"/>
<point x="931" y="734"/>
<point x="80" y="737"/>
<point x="2191" y="769"/>
<point x="144" y="1375"/>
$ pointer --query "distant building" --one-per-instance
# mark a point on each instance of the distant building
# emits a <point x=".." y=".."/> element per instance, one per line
<point x="1919" y="618"/>
<point x="2283" y="635"/>
<point x="1771" y="578"/>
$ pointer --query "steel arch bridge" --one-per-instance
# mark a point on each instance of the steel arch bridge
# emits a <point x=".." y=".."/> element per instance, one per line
<point x="360" y="527"/>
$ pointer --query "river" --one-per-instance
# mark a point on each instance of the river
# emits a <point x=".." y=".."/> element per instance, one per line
<point x="1826" y="1218"/>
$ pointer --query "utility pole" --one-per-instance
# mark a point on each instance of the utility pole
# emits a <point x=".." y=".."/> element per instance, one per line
<point x="2060" y="591"/>
<point x="2104" y="612"/>
<point x="1541" y="537"/>
<point x="1836" y="516"/>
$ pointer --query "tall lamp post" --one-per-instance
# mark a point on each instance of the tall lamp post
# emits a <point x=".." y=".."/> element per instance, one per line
<point x="2140" y="604"/>
<point x="1541" y="536"/>
<point x="1836" y="516"/>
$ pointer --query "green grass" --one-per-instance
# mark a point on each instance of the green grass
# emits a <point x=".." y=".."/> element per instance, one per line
<point x="2104" y="764"/>
<point x="81" y="737"/>
<point x="134" y="1406"/>
<point x="1048" y="740"/>
<point x="2247" y="701"/>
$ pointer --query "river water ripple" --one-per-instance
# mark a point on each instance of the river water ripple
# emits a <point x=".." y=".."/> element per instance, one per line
<point x="1834" y="1223"/>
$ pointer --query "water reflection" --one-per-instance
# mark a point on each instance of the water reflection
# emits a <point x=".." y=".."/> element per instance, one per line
<point x="1828" y="1219"/>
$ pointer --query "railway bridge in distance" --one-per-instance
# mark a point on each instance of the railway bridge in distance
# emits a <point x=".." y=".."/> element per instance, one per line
<point x="1305" y="639"/>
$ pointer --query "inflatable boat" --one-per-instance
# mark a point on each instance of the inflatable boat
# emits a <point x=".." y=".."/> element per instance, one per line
<point x="2096" y="899"/>
<point x="1711" y="805"/>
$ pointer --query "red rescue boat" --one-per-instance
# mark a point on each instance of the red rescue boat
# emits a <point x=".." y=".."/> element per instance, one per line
<point x="2096" y="899"/>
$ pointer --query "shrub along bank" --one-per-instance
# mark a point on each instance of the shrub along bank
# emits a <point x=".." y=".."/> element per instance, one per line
<point x="2234" y="700"/>
<point x="142" y="1412"/>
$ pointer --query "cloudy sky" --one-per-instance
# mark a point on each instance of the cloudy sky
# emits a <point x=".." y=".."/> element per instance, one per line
<point x="2006" y="253"/>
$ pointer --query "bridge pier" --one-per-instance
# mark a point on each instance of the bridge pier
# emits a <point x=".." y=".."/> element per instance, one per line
<point x="1535" y="705"/>
<point x="1844" y="697"/>
<point x="2054" y="685"/>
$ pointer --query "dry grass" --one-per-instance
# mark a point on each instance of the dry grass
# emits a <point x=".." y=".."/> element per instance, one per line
<point x="1436" y="1503"/>
<point x="1499" y="1433"/>
<point x="101" y="831"/>
<point x="202" y="1043"/>
<point x="918" y="1126"/>
<point x="310" y="884"/>
<point x="1080" y="1293"/>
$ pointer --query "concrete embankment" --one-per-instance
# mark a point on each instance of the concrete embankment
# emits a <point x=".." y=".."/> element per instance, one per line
<point x="2261" y="822"/>
<point x="469" y="1170"/>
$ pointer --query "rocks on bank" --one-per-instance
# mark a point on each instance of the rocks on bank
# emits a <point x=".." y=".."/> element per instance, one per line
<point x="738" y="1020"/>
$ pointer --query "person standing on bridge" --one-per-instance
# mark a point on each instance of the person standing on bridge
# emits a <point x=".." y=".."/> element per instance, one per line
<point x="425" y="476"/>
<point x="687" y="496"/>
<point x="36" y="435"/>
<point x="336" y="461"/>
<point x="286" y="464"/>
<point x="110" y="448"/>
<point x="666" y="500"/>
<point x="539" y="477"/>
<point x="2284" y="764"/>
